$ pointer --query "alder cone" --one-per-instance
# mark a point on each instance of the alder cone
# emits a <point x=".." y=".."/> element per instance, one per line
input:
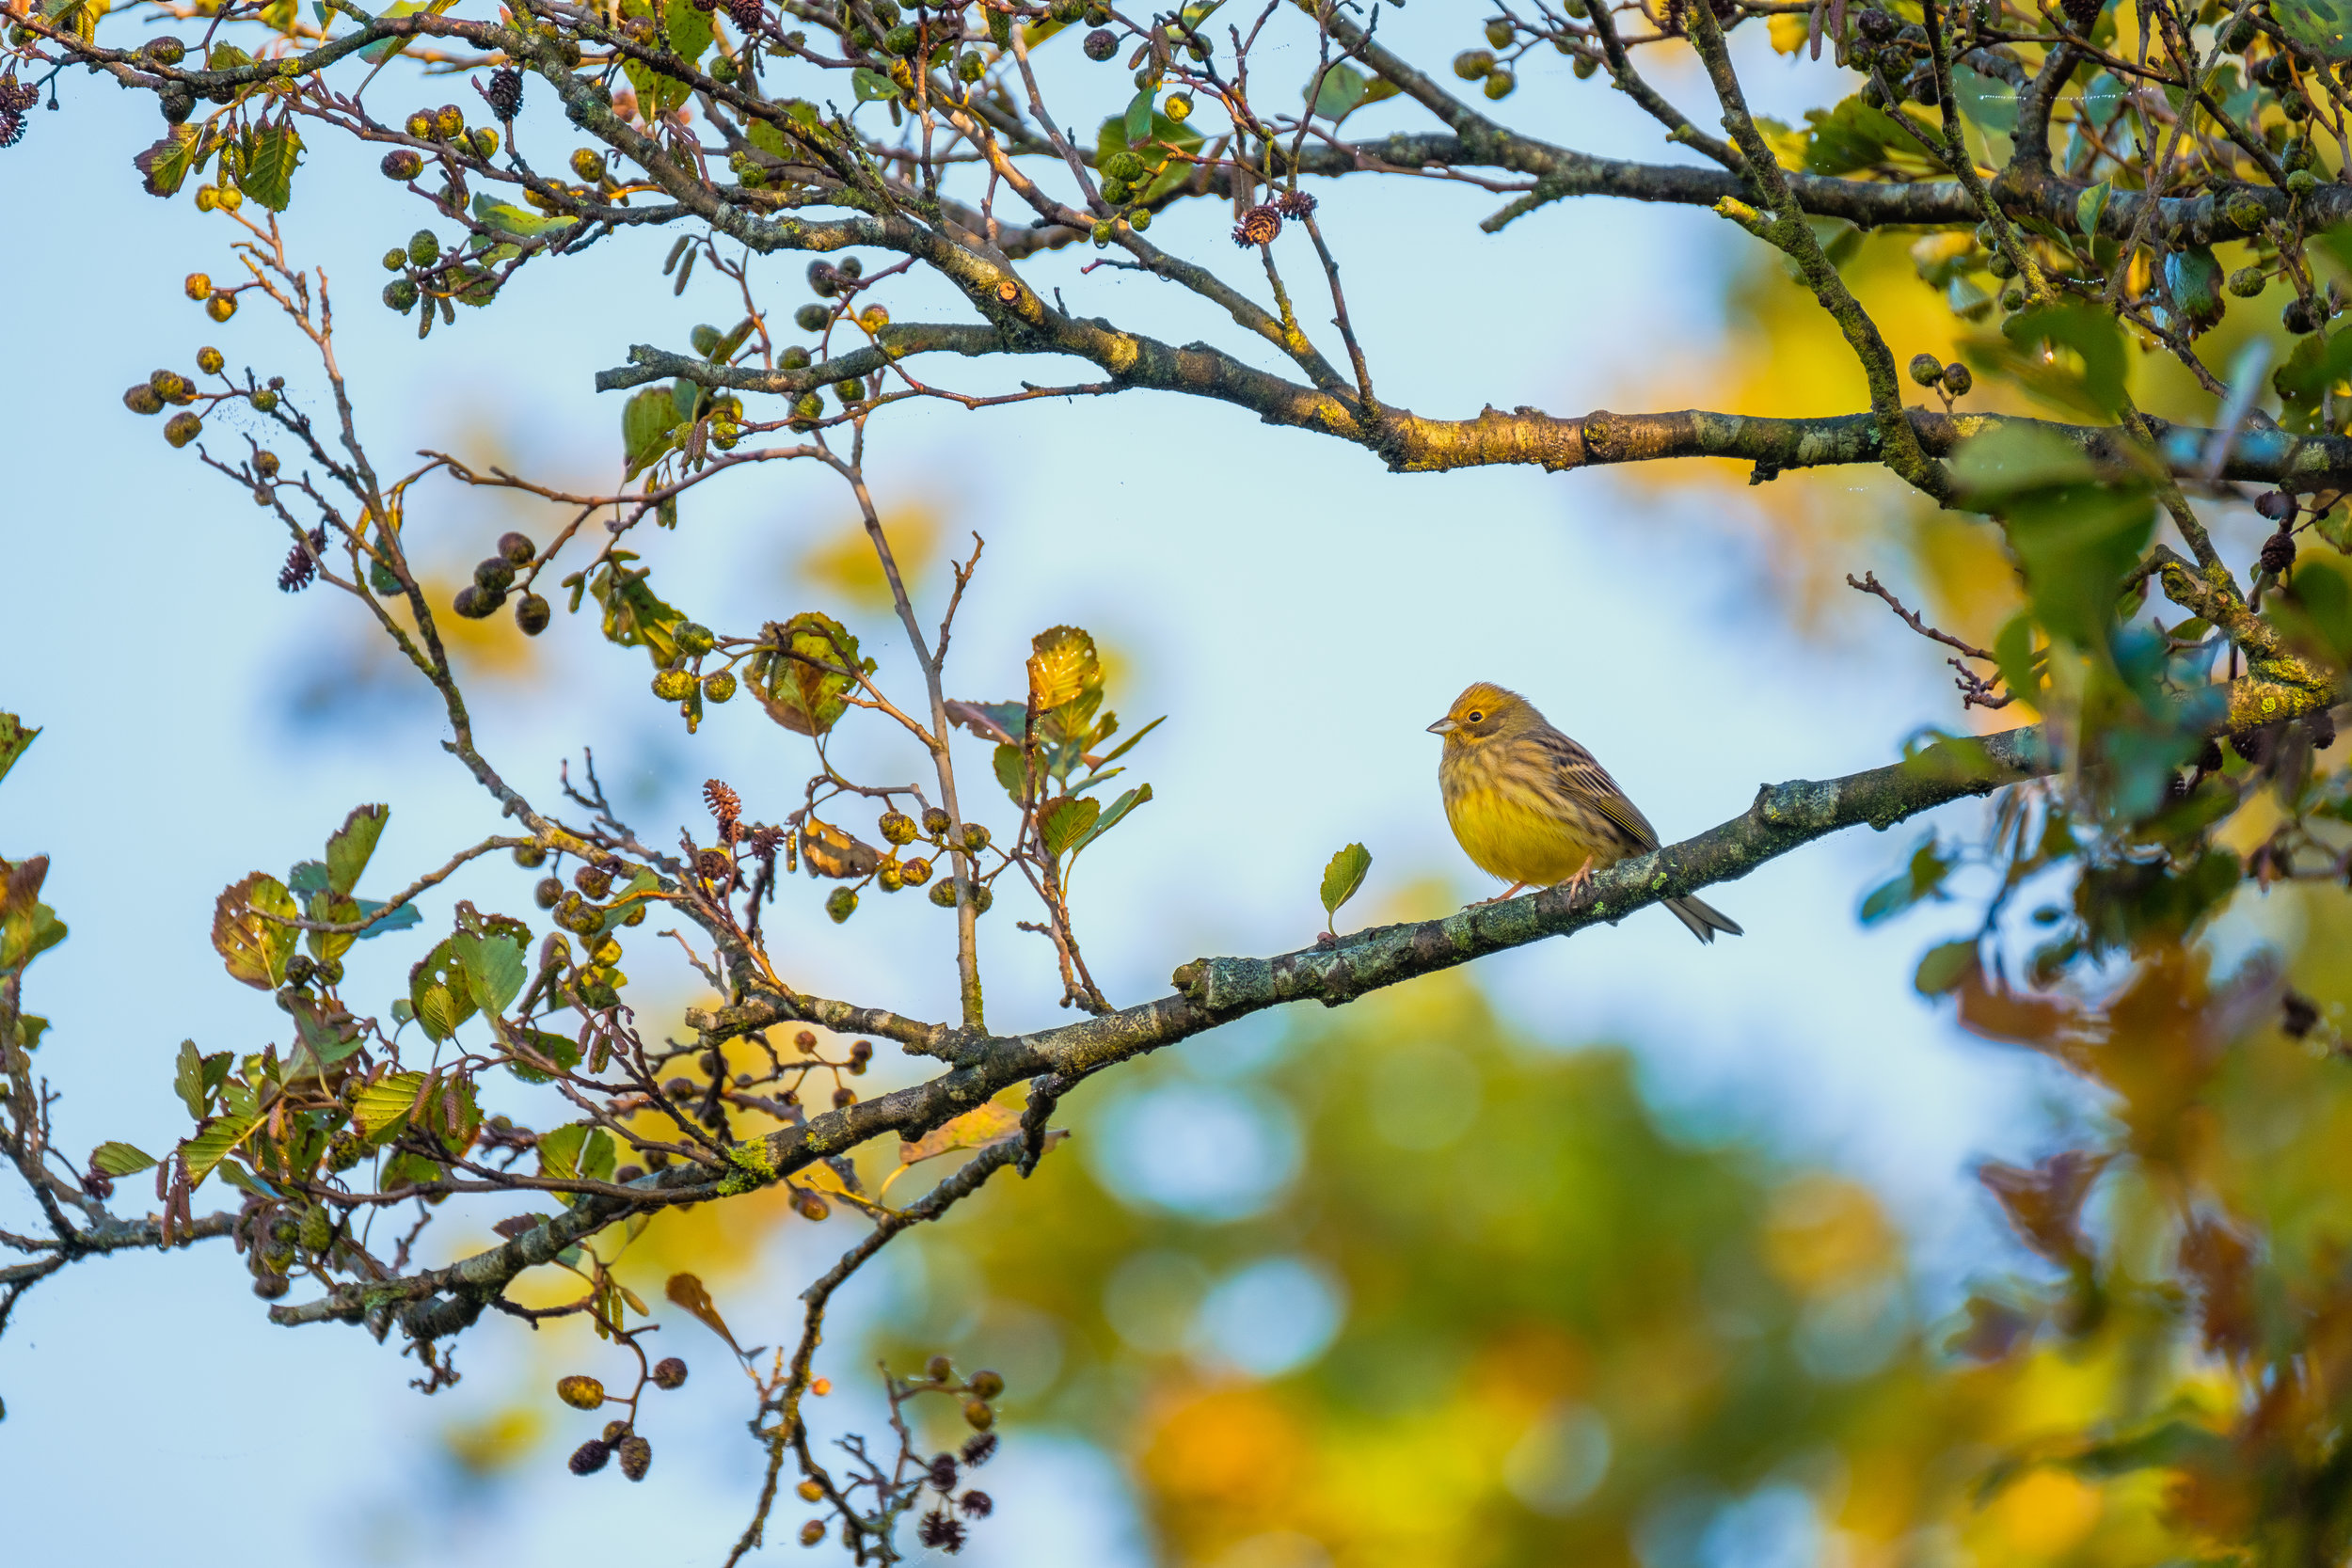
<point x="505" y="92"/>
<point x="2081" y="15"/>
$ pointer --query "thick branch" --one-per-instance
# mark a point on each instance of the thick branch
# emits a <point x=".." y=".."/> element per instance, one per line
<point x="1412" y="443"/>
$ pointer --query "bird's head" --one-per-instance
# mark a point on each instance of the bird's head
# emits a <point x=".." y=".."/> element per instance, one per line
<point x="1483" y="713"/>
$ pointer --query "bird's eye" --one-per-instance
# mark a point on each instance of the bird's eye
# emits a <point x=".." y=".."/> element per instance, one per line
<point x="1476" y="716"/>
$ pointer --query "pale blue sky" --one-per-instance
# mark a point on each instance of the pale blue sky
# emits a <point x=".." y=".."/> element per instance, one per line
<point x="1298" y="613"/>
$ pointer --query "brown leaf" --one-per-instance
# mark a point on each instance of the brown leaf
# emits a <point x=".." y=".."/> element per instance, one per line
<point x="975" y="716"/>
<point x="830" y="852"/>
<point x="2220" y="1260"/>
<point x="687" y="1291"/>
<point x="2045" y="1203"/>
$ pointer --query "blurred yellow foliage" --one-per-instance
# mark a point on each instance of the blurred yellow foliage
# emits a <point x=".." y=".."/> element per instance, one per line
<point x="843" y="562"/>
<point x="1825" y="1231"/>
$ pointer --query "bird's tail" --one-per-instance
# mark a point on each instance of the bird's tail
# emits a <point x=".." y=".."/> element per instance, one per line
<point x="1704" y="920"/>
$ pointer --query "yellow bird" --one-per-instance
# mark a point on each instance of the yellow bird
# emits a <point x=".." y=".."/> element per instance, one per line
<point x="1532" y="807"/>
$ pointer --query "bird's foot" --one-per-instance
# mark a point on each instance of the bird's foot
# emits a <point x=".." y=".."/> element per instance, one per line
<point x="1511" y="892"/>
<point x="1579" y="883"/>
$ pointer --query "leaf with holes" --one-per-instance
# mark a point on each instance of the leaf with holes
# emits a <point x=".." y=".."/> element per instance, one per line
<point x="15" y="736"/>
<point x="437" y="991"/>
<point x="351" y="846"/>
<point x="196" y="1077"/>
<point x="253" y="945"/>
<point x="800" y="671"/>
<point x="493" y="965"/>
<point x="2322" y="26"/>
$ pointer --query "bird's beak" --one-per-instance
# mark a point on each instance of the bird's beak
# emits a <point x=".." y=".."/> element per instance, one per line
<point x="1444" y="726"/>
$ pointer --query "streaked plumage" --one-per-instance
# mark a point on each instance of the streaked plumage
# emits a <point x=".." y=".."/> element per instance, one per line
<point x="1531" y="806"/>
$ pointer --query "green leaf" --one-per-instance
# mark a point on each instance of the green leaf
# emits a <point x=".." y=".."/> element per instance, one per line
<point x="1138" y="120"/>
<point x="255" y="949"/>
<point x="1853" y="136"/>
<point x="575" y="1151"/>
<point x="383" y="48"/>
<point x="795" y="672"/>
<point x="1110" y="817"/>
<point x="1129" y="744"/>
<point x="400" y="919"/>
<point x="770" y="140"/>
<point x="1339" y="92"/>
<point x="1945" y="966"/>
<point x="349" y="849"/>
<point x="2193" y="278"/>
<point x="114" y="1159"/>
<point x="29" y="928"/>
<point x="1065" y="820"/>
<point x="380" y="1108"/>
<point x="1342" y="878"/>
<point x="270" y="155"/>
<point x="2322" y="26"/>
<point x="14" y="737"/>
<point x="437" y="991"/>
<point x="872" y="86"/>
<point x="195" y="1078"/>
<point x="1006" y="762"/>
<point x="2076" y="528"/>
<point x="561" y="1050"/>
<point x="507" y="218"/>
<point x="634" y="615"/>
<point x="647" y="421"/>
<point x="493" y="963"/>
<point x="326" y="946"/>
<point x="1159" y="146"/>
<point x="1922" y="878"/>
<point x="166" y="165"/>
<point x="689" y="29"/>
<point x="208" y="1148"/>
<point x="2023" y="353"/>
<point x="1987" y="101"/>
<point x="2088" y="207"/>
<point x="328" y="1039"/>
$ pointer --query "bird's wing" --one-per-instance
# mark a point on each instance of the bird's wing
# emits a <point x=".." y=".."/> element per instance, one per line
<point x="1582" y="777"/>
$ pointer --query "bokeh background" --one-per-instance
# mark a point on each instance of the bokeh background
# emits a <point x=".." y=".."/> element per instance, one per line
<point x="1615" y="1249"/>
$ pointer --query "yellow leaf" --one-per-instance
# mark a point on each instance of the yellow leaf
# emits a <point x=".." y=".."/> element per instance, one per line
<point x="977" y="1128"/>
<point x="1062" y="667"/>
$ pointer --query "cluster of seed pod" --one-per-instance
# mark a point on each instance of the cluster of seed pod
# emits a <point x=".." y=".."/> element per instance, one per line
<point x="494" y="577"/>
<point x="830" y="852"/>
<point x="620" y="1439"/>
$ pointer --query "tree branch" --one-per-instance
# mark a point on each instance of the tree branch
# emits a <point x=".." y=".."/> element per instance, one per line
<point x="1212" y="991"/>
